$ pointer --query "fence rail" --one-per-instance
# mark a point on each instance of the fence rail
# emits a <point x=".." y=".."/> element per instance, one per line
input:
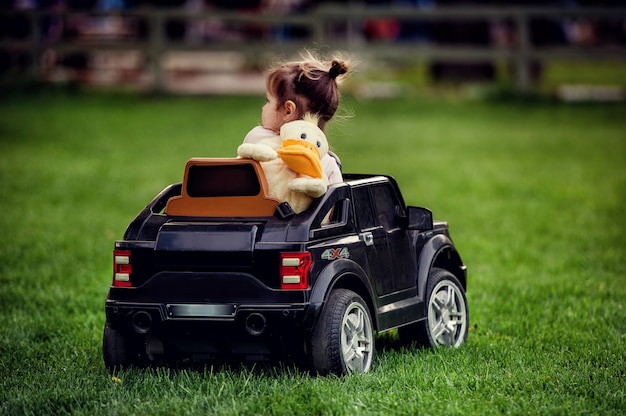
<point x="341" y="28"/>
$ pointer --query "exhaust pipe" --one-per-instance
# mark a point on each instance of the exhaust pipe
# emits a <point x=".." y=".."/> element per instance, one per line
<point x="255" y="324"/>
<point x="142" y="321"/>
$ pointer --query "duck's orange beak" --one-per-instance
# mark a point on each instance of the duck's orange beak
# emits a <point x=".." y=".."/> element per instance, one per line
<point x="301" y="157"/>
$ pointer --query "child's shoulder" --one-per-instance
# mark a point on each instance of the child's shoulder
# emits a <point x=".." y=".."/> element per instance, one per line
<point x="263" y="136"/>
<point x="258" y="134"/>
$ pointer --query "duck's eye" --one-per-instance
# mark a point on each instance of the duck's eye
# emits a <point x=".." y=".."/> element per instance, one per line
<point x="319" y="144"/>
<point x="303" y="136"/>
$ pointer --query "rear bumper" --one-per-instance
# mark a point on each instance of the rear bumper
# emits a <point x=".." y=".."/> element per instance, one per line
<point x="206" y="330"/>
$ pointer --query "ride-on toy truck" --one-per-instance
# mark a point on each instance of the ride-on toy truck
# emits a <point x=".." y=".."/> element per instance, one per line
<point x="212" y="267"/>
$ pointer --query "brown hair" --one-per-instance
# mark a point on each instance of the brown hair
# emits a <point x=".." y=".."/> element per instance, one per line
<point x="310" y="83"/>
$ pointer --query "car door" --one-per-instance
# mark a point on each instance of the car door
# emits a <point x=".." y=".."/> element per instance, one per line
<point x="374" y="239"/>
<point x="401" y="257"/>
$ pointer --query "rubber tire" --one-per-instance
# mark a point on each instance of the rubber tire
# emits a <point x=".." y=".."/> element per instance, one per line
<point x="325" y="343"/>
<point x="118" y="351"/>
<point x="420" y="333"/>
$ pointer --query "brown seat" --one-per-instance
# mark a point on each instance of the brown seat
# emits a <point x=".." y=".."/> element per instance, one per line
<point x="222" y="187"/>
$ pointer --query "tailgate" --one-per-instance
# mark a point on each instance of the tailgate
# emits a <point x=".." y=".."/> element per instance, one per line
<point x="193" y="245"/>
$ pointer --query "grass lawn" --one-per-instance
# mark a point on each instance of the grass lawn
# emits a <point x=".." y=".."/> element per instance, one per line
<point x="534" y="193"/>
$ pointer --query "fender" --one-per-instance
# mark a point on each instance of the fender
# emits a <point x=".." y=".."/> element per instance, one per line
<point x="328" y="279"/>
<point x="156" y="205"/>
<point x="431" y="250"/>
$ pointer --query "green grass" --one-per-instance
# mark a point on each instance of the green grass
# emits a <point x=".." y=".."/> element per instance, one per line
<point x="534" y="193"/>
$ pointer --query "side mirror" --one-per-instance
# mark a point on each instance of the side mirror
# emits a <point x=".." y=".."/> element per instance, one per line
<point x="419" y="218"/>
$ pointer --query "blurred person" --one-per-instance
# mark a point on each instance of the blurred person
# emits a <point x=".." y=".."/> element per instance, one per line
<point x="415" y="30"/>
<point x="381" y="28"/>
<point x="283" y="32"/>
<point x="470" y="32"/>
<point x="596" y="31"/>
<point x="543" y="31"/>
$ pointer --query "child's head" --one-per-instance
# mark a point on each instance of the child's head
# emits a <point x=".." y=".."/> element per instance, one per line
<point x="300" y="87"/>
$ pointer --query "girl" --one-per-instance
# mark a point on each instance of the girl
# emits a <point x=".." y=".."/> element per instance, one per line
<point x="296" y="88"/>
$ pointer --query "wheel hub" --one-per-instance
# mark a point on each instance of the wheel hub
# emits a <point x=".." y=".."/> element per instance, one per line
<point x="447" y="317"/>
<point x="357" y="340"/>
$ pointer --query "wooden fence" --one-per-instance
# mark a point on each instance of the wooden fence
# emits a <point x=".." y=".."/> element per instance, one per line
<point x="148" y="33"/>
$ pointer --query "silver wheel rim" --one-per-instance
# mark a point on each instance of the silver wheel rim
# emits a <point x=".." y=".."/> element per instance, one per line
<point x="356" y="339"/>
<point x="447" y="315"/>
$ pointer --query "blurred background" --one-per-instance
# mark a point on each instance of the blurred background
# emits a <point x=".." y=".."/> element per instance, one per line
<point x="572" y="49"/>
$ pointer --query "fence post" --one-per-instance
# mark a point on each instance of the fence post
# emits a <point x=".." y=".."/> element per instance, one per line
<point x="522" y="55"/>
<point x="318" y="28"/>
<point x="155" y="51"/>
<point x="36" y="39"/>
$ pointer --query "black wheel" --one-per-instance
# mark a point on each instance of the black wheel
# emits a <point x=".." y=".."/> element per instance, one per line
<point x="447" y="314"/>
<point x="119" y="351"/>
<point x="343" y="339"/>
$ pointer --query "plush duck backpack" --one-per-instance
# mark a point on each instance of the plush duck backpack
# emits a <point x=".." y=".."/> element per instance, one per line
<point x="294" y="170"/>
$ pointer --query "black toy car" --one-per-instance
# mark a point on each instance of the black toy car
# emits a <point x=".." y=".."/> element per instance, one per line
<point x="212" y="268"/>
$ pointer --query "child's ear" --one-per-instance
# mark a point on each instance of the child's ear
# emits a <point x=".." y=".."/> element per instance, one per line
<point x="290" y="111"/>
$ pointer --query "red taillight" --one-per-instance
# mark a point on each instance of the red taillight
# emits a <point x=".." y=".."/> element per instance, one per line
<point x="122" y="268"/>
<point x="294" y="270"/>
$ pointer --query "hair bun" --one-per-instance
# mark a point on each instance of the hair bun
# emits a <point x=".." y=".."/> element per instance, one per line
<point x="337" y="68"/>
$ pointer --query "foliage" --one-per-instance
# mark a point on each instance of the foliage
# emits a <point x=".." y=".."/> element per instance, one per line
<point x="534" y="194"/>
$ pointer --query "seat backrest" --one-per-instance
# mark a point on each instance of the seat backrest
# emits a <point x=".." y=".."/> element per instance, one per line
<point x="222" y="187"/>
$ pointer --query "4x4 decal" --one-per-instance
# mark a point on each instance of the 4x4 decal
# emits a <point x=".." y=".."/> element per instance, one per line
<point x="336" y="253"/>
